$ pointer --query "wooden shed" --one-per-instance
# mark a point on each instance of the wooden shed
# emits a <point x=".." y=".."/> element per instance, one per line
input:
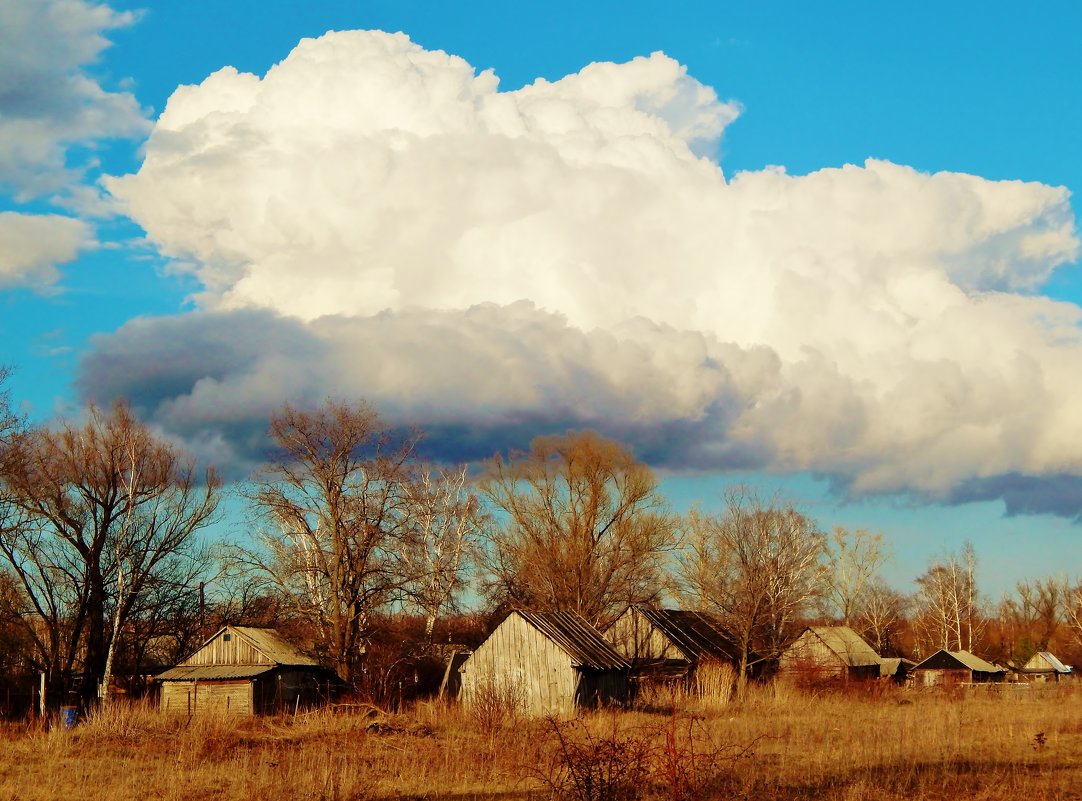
<point x="1043" y="667"/>
<point x="545" y="663"/>
<point x="948" y="668"/>
<point x="823" y="653"/>
<point x="668" y="645"/>
<point x="245" y="671"/>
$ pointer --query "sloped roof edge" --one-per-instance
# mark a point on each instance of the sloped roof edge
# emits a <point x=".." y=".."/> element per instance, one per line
<point x="576" y="637"/>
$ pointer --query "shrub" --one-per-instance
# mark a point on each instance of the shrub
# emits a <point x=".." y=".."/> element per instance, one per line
<point x="494" y="705"/>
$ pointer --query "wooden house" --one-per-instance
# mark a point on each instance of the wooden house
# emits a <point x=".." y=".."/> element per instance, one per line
<point x="669" y="645"/>
<point x="824" y="653"/>
<point x="245" y="671"/>
<point x="948" y="668"/>
<point x="1044" y="667"/>
<point x="545" y="664"/>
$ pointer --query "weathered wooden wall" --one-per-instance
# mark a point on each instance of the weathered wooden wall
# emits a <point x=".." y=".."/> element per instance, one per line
<point x="233" y="697"/>
<point x="234" y="651"/>
<point x="810" y="654"/>
<point x="518" y="661"/>
<point x="637" y="638"/>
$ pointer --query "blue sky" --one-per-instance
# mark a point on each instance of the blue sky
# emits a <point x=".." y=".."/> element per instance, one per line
<point x="876" y="342"/>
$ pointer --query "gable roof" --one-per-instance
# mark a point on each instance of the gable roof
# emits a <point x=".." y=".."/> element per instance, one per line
<point x="1045" y="660"/>
<point x="274" y="646"/>
<point x="268" y="643"/>
<point x="849" y="646"/>
<point x="577" y="638"/>
<point x="698" y="635"/>
<point x="942" y="660"/>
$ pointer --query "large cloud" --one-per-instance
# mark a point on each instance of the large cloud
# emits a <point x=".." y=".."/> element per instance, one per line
<point x="390" y="208"/>
<point x="32" y="245"/>
<point x="48" y="101"/>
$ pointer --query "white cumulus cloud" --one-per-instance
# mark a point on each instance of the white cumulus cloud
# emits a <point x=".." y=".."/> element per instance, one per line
<point x="48" y="100"/>
<point x="32" y="245"/>
<point x="871" y="322"/>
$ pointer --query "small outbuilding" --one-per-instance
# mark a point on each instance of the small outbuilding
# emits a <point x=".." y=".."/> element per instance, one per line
<point x="669" y="645"/>
<point x="245" y="671"/>
<point x="545" y="663"/>
<point x="950" y="668"/>
<point x="824" y="653"/>
<point x="1043" y="667"/>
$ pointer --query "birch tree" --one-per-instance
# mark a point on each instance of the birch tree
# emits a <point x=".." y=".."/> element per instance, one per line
<point x="947" y="603"/>
<point x="580" y="526"/>
<point x="759" y="565"/>
<point x="335" y="504"/>
<point x="447" y="523"/>
<point x="854" y="559"/>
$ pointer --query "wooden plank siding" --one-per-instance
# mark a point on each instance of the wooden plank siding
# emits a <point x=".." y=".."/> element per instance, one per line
<point x="637" y="638"/>
<point x="829" y="652"/>
<point x="203" y="697"/>
<point x="518" y="661"/>
<point x="547" y="664"/>
<point x="233" y="651"/>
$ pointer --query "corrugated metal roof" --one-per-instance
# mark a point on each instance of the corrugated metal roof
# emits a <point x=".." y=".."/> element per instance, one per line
<point x="577" y="638"/>
<point x="1050" y="663"/>
<point x="272" y="645"/>
<point x="697" y="634"/>
<point x="975" y="662"/>
<point x="214" y="672"/>
<point x="847" y="644"/>
<point x="962" y="658"/>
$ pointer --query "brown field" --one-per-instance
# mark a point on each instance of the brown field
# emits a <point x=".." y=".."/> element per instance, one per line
<point x="777" y="744"/>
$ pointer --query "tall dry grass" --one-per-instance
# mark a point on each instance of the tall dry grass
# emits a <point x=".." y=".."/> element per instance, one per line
<point x="775" y="743"/>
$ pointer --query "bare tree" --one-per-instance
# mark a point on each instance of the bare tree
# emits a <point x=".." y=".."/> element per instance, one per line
<point x="582" y="527"/>
<point x="96" y="502"/>
<point x="447" y="521"/>
<point x="336" y="500"/>
<point x="881" y="616"/>
<point x="947" y="603"/>
<point x="1028" y="620"/>
<point x="1071" y="593"/>
<point x="854" y="559"/>
<point x="758" y="565"/>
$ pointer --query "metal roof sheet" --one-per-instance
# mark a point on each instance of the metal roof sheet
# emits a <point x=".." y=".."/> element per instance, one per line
<point x="577" y="638"/>
<point x="847" y="644"/>
<point x="1050" y="663"/>
<point x="963" y="658"/>
<point x="975" y="662"/>
<point x="697" y="634"/>
<point x="272" y="645"/>
<point x="214" y="672"/>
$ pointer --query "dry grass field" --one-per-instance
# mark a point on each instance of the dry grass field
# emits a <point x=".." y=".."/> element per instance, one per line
<point x="776" y="744"/>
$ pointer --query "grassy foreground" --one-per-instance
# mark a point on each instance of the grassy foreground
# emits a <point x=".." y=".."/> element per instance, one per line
<point x="774" y="745"/>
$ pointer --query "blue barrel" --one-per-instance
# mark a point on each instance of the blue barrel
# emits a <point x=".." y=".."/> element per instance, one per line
<point x="68" y="716"/>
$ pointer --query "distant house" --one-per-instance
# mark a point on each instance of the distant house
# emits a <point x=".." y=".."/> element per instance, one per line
<point x="947" y="668"/>
<point x="823" y="653"/>
<point x="244" y="671"/>
<point x="896" y="668"/>
<point x="669" y="645"/>
<point x="546" y="664"/>
<point x="1044" y="666"/>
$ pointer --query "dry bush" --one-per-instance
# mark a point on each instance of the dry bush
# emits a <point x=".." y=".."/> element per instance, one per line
<point x="607" y="759"/>
<point x="715" y="683"/>
<point x="496" y="705"/>
<point x="590" y="766"/>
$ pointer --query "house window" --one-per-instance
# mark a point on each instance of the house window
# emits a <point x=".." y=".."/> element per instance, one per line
<point x="227" y="637"/>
